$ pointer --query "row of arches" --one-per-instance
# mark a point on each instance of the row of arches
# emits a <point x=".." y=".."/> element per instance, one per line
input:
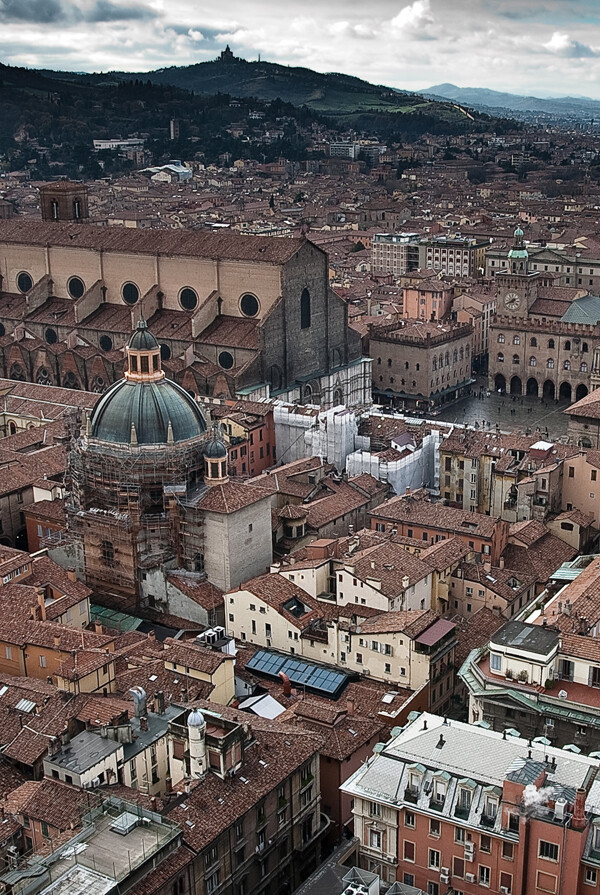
<point x="532" y="388"/>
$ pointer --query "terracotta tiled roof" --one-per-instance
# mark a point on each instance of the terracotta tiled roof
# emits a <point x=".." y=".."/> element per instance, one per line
<point x="276" y="590"/>
<point x="230" y="497"/>
<point x="475" y="631"/>
<point x="154" y="677"/>
<point x="56" y="803"/>
<point x="412" y="623"/>
<point x="389" y="564"/>
<point x="214" y="804"/>
<point x="49" y="509"/>
<point x="408" y="508"/>
<point x="203" y="593"/>
<point x="588" y="407"/>
<point x="192" y="243"/>
<point x="580" y="647"/>
<point x="169" y="868"/>
<point x="541" y="558"/>
<point x="198" y="658"/>
<point x="10" y="778"/>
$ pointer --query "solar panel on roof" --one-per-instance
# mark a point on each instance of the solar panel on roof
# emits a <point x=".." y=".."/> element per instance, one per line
<point x="326" y="681"/>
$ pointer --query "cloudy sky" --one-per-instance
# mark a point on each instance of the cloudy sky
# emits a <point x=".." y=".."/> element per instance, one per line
<point x="542" y="47"/>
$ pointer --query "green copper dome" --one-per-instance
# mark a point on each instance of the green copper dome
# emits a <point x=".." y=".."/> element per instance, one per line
<point x="149" y="407"/>
<point x="142" y="339"/>
<point x="215" y="449"/>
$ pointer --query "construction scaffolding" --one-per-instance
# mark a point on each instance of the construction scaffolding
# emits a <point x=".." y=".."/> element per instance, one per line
<point x="125" y="505"/>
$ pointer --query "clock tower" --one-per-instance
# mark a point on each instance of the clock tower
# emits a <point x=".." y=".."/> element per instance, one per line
<point x="516" y="286"/>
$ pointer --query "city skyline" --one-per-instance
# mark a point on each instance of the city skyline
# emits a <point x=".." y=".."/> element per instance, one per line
<point x="547" y="49"/>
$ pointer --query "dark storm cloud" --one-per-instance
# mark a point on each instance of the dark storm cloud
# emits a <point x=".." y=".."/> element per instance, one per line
<point x="44" y="12"/>
<point x="106" y="11"/>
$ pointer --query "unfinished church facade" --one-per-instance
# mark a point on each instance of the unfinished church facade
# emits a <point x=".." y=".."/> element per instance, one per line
<point x="154" y="519"/>
<point x="235" y="315"/>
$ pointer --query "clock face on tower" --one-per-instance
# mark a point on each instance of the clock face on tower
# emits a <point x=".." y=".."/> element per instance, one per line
<point x="512" y="301"/>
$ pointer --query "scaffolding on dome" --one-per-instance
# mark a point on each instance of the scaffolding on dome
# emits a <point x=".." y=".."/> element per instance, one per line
<point x="125" y="507"/>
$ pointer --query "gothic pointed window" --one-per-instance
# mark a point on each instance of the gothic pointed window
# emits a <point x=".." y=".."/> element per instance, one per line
<point x="305" y="310"/>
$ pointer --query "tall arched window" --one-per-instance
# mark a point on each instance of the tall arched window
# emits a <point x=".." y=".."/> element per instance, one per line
<point x="533" y="342"/>
<point x="532" y="361"/>
<point x="305" y="309"/>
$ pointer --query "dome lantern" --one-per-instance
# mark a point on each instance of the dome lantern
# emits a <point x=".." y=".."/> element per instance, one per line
<point x="143" y="356"/>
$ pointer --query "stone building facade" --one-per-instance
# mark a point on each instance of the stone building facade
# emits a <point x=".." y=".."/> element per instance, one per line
<point x="421" y="364"/>
<point x="542" y="357"/>
<point x="541" y="343"/>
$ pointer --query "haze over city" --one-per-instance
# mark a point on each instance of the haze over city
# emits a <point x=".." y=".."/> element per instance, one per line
<point x="543" y="48"/>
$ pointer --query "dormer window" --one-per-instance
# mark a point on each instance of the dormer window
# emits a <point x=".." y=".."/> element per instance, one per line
<point x="414" y="781"/>
<point x="490" y="807"/>
<point x="416" y="772"/>
<point x="465" y="797"/>
<point x="439" y="791"/>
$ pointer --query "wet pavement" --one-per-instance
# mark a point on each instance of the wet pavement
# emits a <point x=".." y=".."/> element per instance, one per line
<point x="492" y="410"/>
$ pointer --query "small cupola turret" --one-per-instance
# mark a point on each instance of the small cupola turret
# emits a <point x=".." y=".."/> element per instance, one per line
<point x="215" y="458"/>
<point x="143" y="356"/>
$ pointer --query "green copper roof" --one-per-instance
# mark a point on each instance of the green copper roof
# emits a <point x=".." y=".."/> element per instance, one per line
<point x="149" y="407"/>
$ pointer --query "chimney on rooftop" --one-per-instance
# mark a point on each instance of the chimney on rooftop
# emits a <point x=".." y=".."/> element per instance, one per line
<point x="98" y="629"/>
<point x="287" y="684"/>
<point x="143" y="723"/>
<point x="159" y="702"/>
<point x="151" y="635"/>
<point x="578" y="821"/>
<point x="350" y="705"/>
<point x="71" y="574"/>
<point x="41" y="601"/>
<point x="501" y="563"/>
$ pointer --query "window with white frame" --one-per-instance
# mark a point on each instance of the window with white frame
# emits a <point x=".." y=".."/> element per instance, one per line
<point x="433" y="860"/>
<point x="375" y="839"/>
<point x="495" y="662"/>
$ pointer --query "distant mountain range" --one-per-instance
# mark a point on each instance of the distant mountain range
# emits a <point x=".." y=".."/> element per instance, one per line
<point x="496" y="102"/>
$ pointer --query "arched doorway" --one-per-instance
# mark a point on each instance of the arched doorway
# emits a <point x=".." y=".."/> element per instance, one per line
<point x="532" y="387"/>
<point x="565" y="392"/>
<point x="500" y="383"/>
<point x="548" y="390"/>
<point x="581" y="392"/>
<point x="516" y="386"/>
